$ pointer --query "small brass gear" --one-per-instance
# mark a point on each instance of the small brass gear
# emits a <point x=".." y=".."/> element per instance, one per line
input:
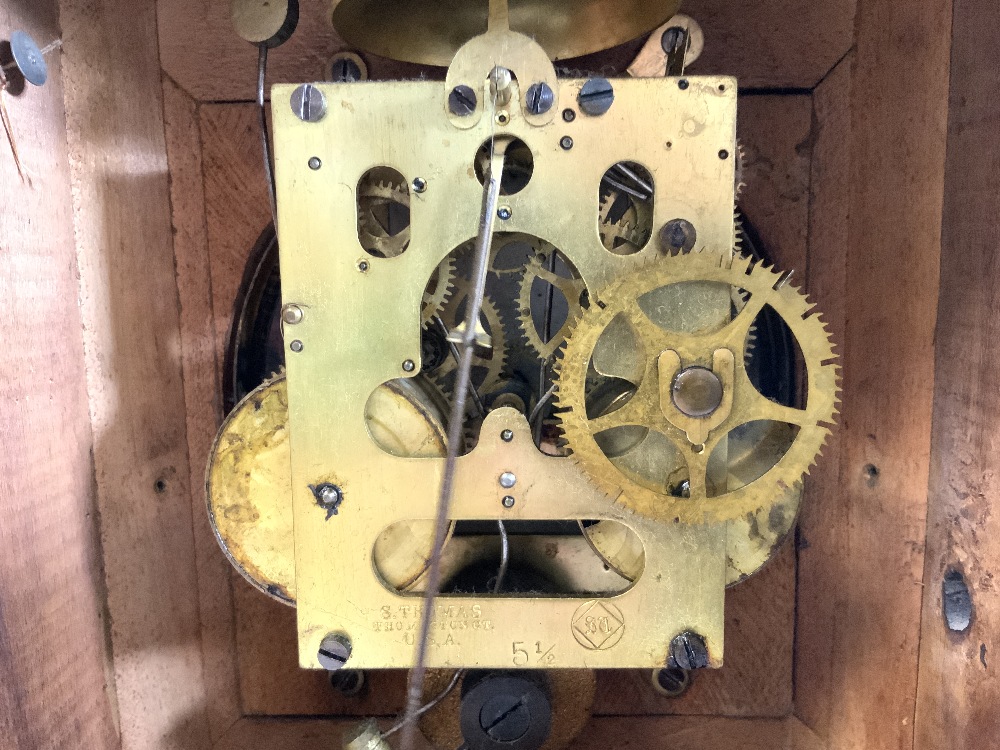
<point x="376" y="198"/>
<point x="571" y="288"/>
<point x="487" y="374"/>
<point x="630" y="232"/>
<point x="644" y="362"/>
<point x="438" y="290"/>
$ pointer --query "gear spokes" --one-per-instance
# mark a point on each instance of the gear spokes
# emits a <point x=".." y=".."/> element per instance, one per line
<point x="687" y="385"/>
<point x="572" y="290"/>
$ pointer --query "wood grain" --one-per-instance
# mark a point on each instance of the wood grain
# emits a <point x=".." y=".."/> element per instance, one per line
<point x="131" y="339"/>
<point x="202" y="399"/>
<point x="822" y="565"/>
<point x="958" y="688"/>
<point x="626" y="733"/>
<point x="56" y="686"/>
<point x="898" y="128"/>
<point x="780" y="44"/>
<point x="756" y="680"/>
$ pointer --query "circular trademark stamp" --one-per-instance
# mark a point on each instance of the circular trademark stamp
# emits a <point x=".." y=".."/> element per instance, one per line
<point x="598" y="625"/>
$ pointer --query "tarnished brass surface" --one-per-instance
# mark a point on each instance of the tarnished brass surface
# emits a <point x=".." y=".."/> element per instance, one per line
<point x="247" y="490"/>
<point x="431" y="31"/>
<point x="721" y="348"/>
<point x="249" y="484"/>
<point x="361" y="326"/>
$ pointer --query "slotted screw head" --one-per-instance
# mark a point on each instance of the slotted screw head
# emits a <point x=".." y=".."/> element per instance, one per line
<point x="596" y="96"/>
<point x="462" y="101"/>
<point x="345" y="70"/>
<point x="334" y="652"/>
<point x="688" y="651"/>
<point x="539" y="98"/>
<point x="505" y="718"/>
<point x="308" y="103"/>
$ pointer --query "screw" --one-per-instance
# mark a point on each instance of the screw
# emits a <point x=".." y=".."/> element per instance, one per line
<point x="507" y="435"/>
<point x="363" y="266"/>
<point x="408" y="365"/>
<point x="672" y="39"/>
<point x="568" y="115"/>
<point x="677" y="234"/>
<point x="566" y="142"/>
<point x="723" y="154"/>
<point x="315" y="163"/>
<point x="507" y="480"/>
<point x="688" y="651"/>
<point x="347" y="681"/>
<point x="683" y="84"/>
<point x="505" y="718"/>
<point x="296" y="346"/>
<point x="308" y="103"/>
<point x="291" y="314"/>
<point x="540" y="98"/>
<point x="462" y="101"/>
<point x="345" y="70"/>
<point x="596" y="96"/>
<point x="508" y="501"/>
<point x="334" y="652"/>
<point x="504" y="213"/>
<point x="329" y="497"/>
<point x="419" y="184"/>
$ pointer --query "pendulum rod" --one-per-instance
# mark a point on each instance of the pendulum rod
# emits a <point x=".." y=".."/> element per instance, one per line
<point x="466" y="346"/>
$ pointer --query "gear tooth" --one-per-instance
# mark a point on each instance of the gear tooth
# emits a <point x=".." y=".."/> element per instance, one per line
<point x="790" y="304"/>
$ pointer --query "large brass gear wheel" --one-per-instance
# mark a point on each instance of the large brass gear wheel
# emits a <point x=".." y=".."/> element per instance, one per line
<point x="571" y="288"/>
<point x="376" y="199"/>
<point x="650" y="361"/>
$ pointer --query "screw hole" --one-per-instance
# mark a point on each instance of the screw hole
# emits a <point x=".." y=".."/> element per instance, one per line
<point x="160" y="486"/>
<point x="671" y="682"/>
<point x="871" y="474"/>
